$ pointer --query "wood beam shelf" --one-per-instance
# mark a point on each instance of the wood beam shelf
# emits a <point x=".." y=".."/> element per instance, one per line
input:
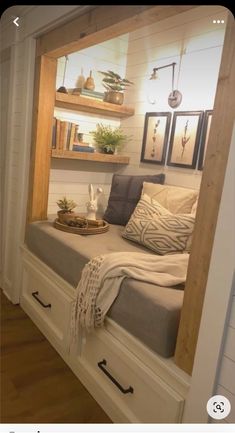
<point x="87" y="156"/>
<point x="90" y="105"/>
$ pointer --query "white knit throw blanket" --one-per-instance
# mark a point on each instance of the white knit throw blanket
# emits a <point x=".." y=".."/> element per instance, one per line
<point x="102" y="277"/>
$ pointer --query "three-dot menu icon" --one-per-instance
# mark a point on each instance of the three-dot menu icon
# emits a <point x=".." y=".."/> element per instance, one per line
<point x="218" y="21"/>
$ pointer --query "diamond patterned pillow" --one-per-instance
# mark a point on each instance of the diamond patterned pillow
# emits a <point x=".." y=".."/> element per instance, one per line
<point x="156" y="228"/>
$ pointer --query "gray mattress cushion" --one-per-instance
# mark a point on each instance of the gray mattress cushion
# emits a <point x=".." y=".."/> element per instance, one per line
<point x="151" y="313"/>
<point x="67" y="253"/>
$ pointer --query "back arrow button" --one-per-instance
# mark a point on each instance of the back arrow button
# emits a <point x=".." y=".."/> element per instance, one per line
<point x="15" y="21"/>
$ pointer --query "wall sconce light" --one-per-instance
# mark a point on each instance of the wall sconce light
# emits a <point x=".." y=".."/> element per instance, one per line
<point x="175" y="97"/>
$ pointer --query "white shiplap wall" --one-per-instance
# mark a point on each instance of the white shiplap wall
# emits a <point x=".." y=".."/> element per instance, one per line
<point x="71" y="178"/>
<point x="134" y="56"/>
<point x="110" y="54"/>
<point x="11" y="159"/>
<point x="4" y="81"/>
<point x="158" y="45"/>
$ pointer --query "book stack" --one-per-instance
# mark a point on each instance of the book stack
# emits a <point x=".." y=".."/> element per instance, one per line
<point x="86" y="92"/>
<point x="83" y="147"/>
<point x="64" y="136"/>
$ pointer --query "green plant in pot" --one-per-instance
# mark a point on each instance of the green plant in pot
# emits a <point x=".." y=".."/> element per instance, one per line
<point x="115" y="87"/>
<point x="66" y="214"/>
<point x="107" y="139"/>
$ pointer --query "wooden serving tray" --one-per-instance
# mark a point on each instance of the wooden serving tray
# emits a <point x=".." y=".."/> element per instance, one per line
<point x="80" y="230"/>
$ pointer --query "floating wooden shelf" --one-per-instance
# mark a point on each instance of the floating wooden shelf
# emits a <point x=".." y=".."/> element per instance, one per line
<point x="87" y="156"/>
<point x="90" y="105"/>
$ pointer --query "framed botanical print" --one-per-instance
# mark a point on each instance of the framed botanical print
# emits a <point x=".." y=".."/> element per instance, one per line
<point x="155" y="137"/>
<point x="185" y="137"/>
<point x="204" y="138"/>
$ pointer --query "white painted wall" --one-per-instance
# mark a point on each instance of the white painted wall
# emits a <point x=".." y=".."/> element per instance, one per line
<point x="107" y="55"/>
<point x="214" y="366"/>
<point x="226" y="371"/>
<point x="12" y="157"/>
<point x="4" y="80"/>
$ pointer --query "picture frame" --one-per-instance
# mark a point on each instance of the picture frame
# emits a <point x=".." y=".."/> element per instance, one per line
<point x="204" y="137"/>
<point x="185" y="138"/>
<point x="155" y="137"/>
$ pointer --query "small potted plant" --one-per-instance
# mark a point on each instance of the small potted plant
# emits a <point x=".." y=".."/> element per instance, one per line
<point x="66" y="214"/>
<point x="115" y="87"/>
<point x="107" y="139"/>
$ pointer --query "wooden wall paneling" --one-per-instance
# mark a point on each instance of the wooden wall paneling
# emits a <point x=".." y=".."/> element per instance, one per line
<point x="209" y="202"/>
<point x="102" y="23"/>
<point x="44" y="97"/>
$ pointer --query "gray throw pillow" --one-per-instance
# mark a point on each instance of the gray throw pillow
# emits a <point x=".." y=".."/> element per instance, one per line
<point x="125" y="194"/>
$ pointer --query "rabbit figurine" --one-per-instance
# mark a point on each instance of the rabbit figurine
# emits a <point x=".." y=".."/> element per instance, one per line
<point x="92" y="204"/>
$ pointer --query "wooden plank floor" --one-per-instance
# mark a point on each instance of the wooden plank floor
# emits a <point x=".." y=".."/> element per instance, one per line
<point x="36" y="384"/>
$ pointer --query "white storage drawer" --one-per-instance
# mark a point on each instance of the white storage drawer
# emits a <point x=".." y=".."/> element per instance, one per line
<point x="140" y="394"/>
<point x="47" y="305"/>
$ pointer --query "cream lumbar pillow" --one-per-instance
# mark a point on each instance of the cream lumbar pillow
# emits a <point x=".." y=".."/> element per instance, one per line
<point x="176" y="199"/>
<point x="158" y="229"/>
<point x="147" y="207"/>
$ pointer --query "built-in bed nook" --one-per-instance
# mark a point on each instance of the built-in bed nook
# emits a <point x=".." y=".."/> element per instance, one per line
<point x="138" y="364"/>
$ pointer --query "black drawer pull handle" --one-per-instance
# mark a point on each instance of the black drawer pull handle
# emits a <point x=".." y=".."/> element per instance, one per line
<point x="124" y="391"/>
<point x="35" y="295"/>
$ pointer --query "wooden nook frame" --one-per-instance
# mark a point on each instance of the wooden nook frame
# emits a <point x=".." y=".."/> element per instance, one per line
<point x="97" y="25"/>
